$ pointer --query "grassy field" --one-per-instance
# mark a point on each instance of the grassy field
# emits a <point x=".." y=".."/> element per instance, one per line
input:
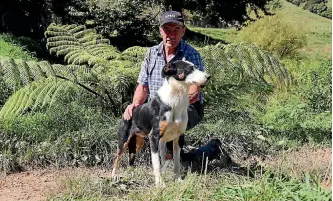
<point x="226" y="35"/>
<point x="319" y="28"/>
<point x="212" y="186"/>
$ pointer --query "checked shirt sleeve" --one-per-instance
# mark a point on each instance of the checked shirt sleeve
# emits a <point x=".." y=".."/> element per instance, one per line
<point x="195" y="58"/>
<point x="143" y="76"/>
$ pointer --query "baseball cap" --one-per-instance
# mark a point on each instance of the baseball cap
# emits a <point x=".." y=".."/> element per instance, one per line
<point x="171" y="17"/>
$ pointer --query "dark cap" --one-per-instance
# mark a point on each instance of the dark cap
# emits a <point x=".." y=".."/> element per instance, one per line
<point x="171" y="17"/>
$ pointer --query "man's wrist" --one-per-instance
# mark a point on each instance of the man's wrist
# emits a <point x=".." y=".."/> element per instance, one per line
<point x="136" y="103"/>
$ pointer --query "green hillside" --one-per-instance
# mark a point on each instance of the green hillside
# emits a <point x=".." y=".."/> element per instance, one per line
<point x="319" y="28"/>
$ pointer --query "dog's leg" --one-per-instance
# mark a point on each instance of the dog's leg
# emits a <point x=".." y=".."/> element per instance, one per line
<point x="162" y="147"/>
<point x="135" y="145"/>
<point x="116" y="163"/>
<point x="123" y="139"/>
<point x="176" y="158"/>
<point x="154" y="143"/>
<point x="131" y="151"/>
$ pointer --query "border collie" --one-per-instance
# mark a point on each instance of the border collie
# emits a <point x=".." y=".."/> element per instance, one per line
<point x="162" y="119"/>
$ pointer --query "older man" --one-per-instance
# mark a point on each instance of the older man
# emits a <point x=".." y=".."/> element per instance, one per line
<point x="172" y="48"/>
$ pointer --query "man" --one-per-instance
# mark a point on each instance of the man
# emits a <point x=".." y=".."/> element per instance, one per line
<point x="172" y="48"/>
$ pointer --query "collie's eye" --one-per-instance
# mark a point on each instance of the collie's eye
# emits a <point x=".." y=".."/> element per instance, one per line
<point x="190" y="69"/>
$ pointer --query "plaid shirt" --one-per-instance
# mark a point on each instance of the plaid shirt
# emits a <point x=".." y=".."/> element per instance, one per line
<point x="151" y="69"/>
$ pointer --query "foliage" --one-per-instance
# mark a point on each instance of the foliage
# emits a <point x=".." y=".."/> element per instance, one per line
<point x="79" y="45"/>
<point x="35" y="96"/>
<point x="15" y="51"/>
<point x="101" y="70"/>
<point x="235" y="67"/>
<point x="123" y="22"/>
<point x="216" y="11"/>
<point x="28" y="18"/>
<point x="304" y="112"/>
<point x="274" y="35"/>
<point x="224" y="35"/>
<point x="126" y="23"/>
<point x="69" y="132"/>
<point x="319" y="7"/>
<point x="18" y="73"/>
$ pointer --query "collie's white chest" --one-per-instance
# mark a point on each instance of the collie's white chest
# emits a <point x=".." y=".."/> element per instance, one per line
<point x="174" y="125"/>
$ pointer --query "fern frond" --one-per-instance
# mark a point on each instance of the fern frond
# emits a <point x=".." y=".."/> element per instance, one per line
<point x="75" y="29"/>
<point x="135" y="54"/>
<point x="81" y="34"/>
<point x="94" y="42"/>
<point x="90" y="38"/>
<point x="245" y="61"/>
<point x="19" y="73"/>
<point x="36" y="95"/>
<point x="65" y="51"/>
<point x="55" y="33"/>
<point x="11" y="73"/>
<point x="60" y="43"/>
<point x="60" y="38"/>
<point x="79" y="45"/>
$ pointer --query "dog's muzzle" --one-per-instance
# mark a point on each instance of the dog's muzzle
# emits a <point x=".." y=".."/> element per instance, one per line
<point x="207" y="77"/>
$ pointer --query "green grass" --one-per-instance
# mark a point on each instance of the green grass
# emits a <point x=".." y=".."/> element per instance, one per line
<point x="226" y="35"/>
<point x="319" y="28"/>
<point x="8" y="48"/>
<point x="138" y="184"/>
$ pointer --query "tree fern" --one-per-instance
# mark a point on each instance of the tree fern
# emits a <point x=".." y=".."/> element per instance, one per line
<point x="134" y="54"/>
<point x="19" y="73"/>
<point x="245" y="61"/>
<point x="79" y="45"/>
<point x="36" y="95"/>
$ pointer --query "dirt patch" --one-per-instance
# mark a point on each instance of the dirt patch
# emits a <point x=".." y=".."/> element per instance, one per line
<point x="307" y="160"/>
<point x="39" y="184"/>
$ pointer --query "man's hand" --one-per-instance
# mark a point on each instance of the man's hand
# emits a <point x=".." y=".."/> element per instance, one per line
<point x="129" y="110"/>
<point x="194" y="93"/>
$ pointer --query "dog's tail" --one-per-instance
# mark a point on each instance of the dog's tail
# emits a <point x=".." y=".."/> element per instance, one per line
<point x="123" y="133"/>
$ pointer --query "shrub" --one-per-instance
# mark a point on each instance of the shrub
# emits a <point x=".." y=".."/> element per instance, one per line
<point x="13" y="49"/>
<point x="70" y="132"/>
<point x="303" y="112"/>
<point x="273" y="34"/>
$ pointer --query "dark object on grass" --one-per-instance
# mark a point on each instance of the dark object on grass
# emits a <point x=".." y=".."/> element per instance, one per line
<point x="212" y="150"/>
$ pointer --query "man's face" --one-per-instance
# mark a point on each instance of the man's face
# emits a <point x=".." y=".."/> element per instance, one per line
<point x="172" y="34"/>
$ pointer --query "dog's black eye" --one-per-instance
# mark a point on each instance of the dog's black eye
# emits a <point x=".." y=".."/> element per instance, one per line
<point x="190" y="69"/>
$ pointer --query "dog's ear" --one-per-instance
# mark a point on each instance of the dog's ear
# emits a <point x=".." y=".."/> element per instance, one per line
<point x="168" y="70"/>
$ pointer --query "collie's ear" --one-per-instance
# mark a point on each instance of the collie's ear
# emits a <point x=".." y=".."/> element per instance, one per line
<point x="168" y="70"/>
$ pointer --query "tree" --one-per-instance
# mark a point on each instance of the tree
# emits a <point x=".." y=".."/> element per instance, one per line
<point x="216" y="10"/>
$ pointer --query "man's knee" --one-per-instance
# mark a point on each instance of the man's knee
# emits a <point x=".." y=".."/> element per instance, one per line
<point x="195" y="114"/>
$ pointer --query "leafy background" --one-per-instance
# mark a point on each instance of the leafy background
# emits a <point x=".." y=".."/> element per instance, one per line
<point x="61" y="97"/>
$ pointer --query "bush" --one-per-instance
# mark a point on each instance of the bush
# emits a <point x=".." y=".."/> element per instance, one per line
<point x="273" y="34"/>
<point x="66" y="134"/>
<point x="13" y="49"/>
<point x="304" y="112"/>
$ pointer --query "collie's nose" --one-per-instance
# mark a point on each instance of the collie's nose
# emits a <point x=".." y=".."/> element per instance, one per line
<point x="208" y="77"/>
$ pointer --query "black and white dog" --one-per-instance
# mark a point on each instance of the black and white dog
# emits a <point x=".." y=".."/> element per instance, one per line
<point x="162" y="119"/>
